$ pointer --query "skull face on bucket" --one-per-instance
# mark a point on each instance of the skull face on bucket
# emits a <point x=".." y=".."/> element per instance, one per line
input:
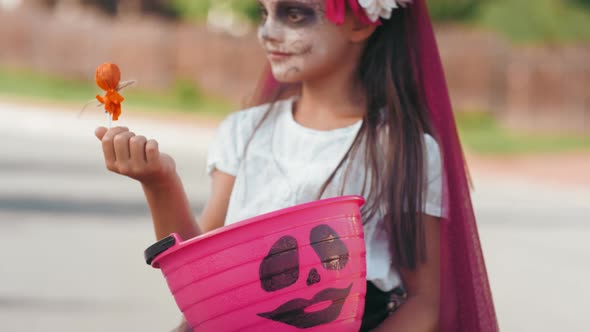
<point x="302" y="267"/>
<point x="282" y="268"/>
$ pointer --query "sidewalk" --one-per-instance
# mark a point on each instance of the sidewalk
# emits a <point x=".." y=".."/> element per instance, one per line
<point x="74" y="233"/>
<point x="564" y="170"/>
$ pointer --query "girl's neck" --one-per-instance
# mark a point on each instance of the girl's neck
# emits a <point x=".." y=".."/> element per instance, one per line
<point x="332" y="102"/>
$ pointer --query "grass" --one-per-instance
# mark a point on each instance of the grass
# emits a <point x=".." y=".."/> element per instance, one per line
<point x="182" y="97"/>
<point x="526" y="21"/>
<point x="481" y="133"/>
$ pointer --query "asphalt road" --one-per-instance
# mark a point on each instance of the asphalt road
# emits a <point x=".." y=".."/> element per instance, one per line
<point x="72" y="235"/>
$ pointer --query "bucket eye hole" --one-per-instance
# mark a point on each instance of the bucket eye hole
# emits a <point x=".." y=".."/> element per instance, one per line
<point x="280" y="268"/>
<point x="331" y="250"/>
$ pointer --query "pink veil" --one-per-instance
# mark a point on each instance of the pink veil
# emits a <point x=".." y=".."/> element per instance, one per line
<point x="466" y="301"/>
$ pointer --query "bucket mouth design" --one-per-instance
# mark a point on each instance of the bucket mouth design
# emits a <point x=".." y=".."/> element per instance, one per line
<point x="295" y="312"/>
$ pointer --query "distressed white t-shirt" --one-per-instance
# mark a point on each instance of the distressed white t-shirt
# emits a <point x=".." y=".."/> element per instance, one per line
<point x="286" y="164"/>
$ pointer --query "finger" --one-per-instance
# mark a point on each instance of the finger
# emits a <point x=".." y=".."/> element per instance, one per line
<point x="100" y="132"/>
<point x="108" y="146"/>
<point x="152" y="151"/>
<point x="121" y="143"/>
<point x="111" y="133"/>
<point x="137" y="150"/>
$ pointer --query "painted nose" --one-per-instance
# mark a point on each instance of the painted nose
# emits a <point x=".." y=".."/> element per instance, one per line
<point x="313" y="277"/>
<point x="270" y="31"/>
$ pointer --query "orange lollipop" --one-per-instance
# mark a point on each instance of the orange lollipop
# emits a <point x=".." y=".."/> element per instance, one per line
<point x="107" y="78"/>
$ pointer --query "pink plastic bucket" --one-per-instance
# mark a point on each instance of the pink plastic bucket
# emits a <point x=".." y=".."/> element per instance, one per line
<point x="298" y="268"/>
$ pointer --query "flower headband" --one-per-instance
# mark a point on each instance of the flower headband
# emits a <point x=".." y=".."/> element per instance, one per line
<point x="366" y="11"/>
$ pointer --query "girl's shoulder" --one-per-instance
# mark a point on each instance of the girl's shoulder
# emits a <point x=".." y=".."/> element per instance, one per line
<point x="240" y="125"/>
<point x="433" y="159"/>
<point x="234" y="134"/>
<point x="251" y="117"/>
<point x="432" y="147"/>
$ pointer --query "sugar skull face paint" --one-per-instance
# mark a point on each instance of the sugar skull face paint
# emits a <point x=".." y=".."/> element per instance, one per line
<point x="300" y="42"/>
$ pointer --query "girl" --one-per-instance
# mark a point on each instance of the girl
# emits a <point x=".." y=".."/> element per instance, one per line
<point x="356" y="104"/>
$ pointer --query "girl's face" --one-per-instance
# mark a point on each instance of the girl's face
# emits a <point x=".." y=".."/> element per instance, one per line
<point x="301" y="44"/>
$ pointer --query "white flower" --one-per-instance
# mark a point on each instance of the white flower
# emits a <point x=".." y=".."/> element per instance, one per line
<point x="376" y="9"/>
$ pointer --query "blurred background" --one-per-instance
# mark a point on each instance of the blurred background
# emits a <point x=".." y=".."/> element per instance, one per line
<point x="72" y="235"/>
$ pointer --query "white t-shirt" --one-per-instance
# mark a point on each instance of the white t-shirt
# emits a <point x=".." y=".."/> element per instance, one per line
<point x="286" y="164"/>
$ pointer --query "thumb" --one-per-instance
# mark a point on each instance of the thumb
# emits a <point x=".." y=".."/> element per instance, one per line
<point x="100" y="132"/>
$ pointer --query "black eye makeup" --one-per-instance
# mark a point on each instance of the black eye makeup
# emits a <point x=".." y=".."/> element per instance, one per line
<point x="296" y="14"/>
<point x="291" y="13"/>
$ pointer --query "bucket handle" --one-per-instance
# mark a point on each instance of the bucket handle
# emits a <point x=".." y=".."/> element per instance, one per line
<point x="159" y="247"/>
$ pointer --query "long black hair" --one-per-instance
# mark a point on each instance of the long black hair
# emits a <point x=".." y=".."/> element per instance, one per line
<point x="393" y="134"/>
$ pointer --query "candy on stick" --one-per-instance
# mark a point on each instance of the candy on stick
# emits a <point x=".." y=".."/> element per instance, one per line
<point x="108" y="78"/>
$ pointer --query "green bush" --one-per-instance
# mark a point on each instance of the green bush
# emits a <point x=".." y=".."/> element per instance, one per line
<point x="249" y="8"/>
<point x="581" y="2"/>
<point x="192" y="9"/>
<point x="198" y="9"/>
<point x="539" y="21"/>
<point x="453" y="10"/>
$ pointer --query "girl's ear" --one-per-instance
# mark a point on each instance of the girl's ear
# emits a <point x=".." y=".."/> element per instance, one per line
<point x="359" y="32"/>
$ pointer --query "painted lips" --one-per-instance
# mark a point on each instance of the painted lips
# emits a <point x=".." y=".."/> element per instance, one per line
<point x="278" y="55"/>
<point x="293" y="312"/>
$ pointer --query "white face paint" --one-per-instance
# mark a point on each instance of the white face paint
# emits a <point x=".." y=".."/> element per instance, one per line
<point x="301" y="43"/>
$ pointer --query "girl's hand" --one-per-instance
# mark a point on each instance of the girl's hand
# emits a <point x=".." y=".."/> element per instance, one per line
<point x="183" y="327"/>
<point x="135" y="156"/>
